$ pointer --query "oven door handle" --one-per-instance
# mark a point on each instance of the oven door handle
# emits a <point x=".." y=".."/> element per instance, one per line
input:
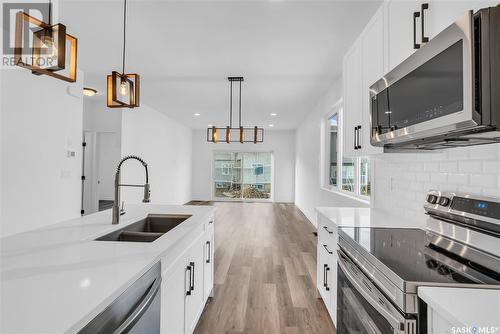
<point x="397" y="321"/>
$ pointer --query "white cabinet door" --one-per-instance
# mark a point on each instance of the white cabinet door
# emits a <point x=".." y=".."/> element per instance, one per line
<point x="208" y="270"/>
<point x="400" y="30"/>
<point x="173" y="296"/>
<point x="443" y="13"/>
<point x="352" y="111"/>
<point x="373" y="51"/>
<point x="322" y="276"/>
<point x="195" y="300"/>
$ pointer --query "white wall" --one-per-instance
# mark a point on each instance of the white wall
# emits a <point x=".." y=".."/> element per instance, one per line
<point x="41" y="121"/>
<point x="166" y="146"/>
<point x="280" y="142"/>
<point x="308" y="172"/>
<point x="402" y="180"/>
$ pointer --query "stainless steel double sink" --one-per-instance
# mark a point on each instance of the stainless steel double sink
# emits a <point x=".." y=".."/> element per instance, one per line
<point x="146" y="230"/>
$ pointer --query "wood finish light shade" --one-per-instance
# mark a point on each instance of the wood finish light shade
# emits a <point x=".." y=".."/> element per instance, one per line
<point x="123" y="90"/>
<point x="60" y="41"/>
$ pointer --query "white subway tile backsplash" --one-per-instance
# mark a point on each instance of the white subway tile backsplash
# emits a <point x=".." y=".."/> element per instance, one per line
<point x="458" y="179"/>
<point x="448" y="166"/>
<point x="491" y="167"/>
<point x="474" y="170"/>
<point x="484" y="180"/>
<point x="469" y="166"/>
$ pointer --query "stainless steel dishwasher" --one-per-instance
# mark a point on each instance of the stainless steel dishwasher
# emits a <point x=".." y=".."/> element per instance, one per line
<point x="136" y="310"/>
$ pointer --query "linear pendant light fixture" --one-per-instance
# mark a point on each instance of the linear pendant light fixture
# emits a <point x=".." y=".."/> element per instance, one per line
<point x="246" y="134"/>
<point x="48" y="51"/>
<point x="123" y="88"/>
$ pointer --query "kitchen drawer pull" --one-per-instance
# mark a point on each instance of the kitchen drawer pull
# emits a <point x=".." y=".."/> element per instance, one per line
<point x="415" y="16"/>
<point x="188" y="268"/>
<point x="425" y="6"/>
<point x="329" y="252"/>
<point x="324" y="274"/>
<point x="191" y="264"/>
<point x="355" y="136"/>
<point x="358" y="140"/>
<point x="326" y="279"/>
<point x="326" y="229"/>
<point x="209" y="257"/>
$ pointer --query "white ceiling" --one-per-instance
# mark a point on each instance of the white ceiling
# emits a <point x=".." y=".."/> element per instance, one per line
<point x="288" y="51"/>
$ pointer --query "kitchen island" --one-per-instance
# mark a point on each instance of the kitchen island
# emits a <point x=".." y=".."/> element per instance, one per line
<point x="58" y="278"/>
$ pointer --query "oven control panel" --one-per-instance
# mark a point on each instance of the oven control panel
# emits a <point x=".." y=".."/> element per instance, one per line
<point x="462" y="204"/>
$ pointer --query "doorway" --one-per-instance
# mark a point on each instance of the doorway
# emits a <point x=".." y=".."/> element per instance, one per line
<point x="101" y="156"/>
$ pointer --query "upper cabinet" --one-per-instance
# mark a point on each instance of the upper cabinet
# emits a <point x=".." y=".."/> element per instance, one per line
<point x="363" y="65"/>
<point x="397" y="29"/>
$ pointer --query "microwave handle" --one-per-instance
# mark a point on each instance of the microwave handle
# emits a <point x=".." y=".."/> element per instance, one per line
<point x="415" y="16"/>
<point x="425" y="6"/>
<point x="397" y="321"/>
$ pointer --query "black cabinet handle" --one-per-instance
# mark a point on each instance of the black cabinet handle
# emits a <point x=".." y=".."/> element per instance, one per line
<point x="188" y="268"/>
<point x="357" y="134"/>
<point x="211" y="222"/>
<point x="425" y="6"/>
<point x="209" y="252"/>
<point x="415" y="16"/>
<point x="326" y="278"/>
<point x="326" y="229"/>
<point x="191" y="264"/>
<point x="329" y="252"/>
<point x="324" y="274"/>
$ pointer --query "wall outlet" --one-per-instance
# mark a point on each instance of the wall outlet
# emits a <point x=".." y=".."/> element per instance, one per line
<point x="71" y="154"/>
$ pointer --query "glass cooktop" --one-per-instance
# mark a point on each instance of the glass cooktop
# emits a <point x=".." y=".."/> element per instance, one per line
<point x="408" y="253"/>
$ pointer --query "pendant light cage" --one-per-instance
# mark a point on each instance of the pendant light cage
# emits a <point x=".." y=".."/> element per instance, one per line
<point x="53" y="52"/>
<point x="123" y="89"/>
<point x="253" y="134"/>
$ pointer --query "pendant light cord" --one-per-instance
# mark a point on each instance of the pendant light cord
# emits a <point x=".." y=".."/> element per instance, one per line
<point x="240" y="106"/>
<point x="124" y="33"/>
<point x="50" y="12"/>
<point x="231" y="104"/>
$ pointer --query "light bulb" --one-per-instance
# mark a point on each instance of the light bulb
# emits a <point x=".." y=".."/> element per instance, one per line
<point x="49" y="45"/>
<point x="123" y="88"/>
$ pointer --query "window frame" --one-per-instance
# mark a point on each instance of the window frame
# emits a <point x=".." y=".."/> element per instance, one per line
<point x="241" y="199"/>
<point x="325" y="163"/>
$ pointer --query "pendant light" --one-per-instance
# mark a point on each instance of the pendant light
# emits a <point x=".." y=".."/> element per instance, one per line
<point x="123" y="88"/>
<point x="245" y="134"/>
<point x="48" y="51"/>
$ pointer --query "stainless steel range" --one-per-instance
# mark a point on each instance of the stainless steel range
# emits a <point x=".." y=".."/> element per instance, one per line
<point x="380" y="269"/>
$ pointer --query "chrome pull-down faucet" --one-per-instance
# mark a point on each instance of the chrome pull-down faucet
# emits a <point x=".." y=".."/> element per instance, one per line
<point x="118" y="185"/>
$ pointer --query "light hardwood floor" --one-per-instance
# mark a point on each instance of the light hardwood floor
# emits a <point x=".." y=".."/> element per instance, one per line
<point x="265" y="273"/>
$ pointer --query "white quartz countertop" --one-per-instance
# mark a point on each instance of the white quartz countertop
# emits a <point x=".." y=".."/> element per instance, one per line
<point x="58" y="278"/>
<point x="366" y="217"/>
<point x="465" y="307"/>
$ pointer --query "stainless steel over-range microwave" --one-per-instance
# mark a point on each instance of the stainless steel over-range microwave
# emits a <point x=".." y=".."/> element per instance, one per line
<point x="447" y="93"/>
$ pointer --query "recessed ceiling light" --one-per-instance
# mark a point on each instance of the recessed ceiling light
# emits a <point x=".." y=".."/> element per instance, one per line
<point x="196" y="114"/>
<point x="274" y="114"/>
<point x="209" y="125"/>
<point x="271" y="125"/>
<point x="89" y="91"/>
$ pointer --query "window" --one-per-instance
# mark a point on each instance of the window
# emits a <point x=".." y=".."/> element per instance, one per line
<point x="333" y="124"/>
<point x="242" y="175"/>
<point x="351" y="175"/>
